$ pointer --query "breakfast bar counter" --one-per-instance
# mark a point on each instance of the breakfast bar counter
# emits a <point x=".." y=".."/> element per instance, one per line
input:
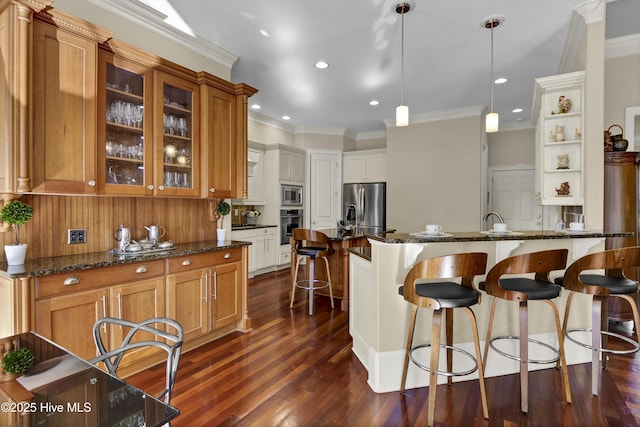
<point x="379" y="315"/>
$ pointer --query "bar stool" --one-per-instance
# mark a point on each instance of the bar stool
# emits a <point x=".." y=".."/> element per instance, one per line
<point x="310" y="244"/>
<point x="613" y="283"/>
<point x="423" y="288"/>
<point x="523" y="290"/>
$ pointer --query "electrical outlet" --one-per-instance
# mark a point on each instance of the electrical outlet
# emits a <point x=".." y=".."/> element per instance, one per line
<point x="76" y="235"/>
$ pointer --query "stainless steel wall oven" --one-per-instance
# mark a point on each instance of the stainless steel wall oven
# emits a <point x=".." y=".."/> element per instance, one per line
<point x="289" y="219"/>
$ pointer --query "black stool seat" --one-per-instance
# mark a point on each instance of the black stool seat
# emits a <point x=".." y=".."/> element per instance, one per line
<point x="615" y="285"/>
<point x="310" y="251"/>
<point x="535" y="289"/>
<point x="448" y="294"/>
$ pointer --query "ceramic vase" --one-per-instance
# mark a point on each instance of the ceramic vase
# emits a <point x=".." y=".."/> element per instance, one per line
<point x="221" y="233"/>
<point x="15" y="253"/>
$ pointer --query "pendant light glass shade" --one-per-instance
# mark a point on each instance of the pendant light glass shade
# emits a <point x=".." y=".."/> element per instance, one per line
<point x="402" y="115"/>
<point x="491" y="124"/>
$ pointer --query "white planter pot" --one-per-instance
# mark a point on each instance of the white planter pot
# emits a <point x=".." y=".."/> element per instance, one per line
<point x="15" y="253"/>
<point x="221" y="232"/>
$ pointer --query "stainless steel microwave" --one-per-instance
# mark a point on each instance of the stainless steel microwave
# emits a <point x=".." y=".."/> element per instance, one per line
<point x="291" y="195"/>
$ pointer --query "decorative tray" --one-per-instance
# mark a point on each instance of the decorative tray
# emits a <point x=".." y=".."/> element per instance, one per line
<point x="116" y="252"/>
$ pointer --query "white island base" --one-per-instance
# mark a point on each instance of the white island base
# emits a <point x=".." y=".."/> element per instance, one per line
<point x="379" y="315"/>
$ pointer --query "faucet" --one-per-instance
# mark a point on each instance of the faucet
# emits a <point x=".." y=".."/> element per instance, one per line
<point x="496" y="214"/>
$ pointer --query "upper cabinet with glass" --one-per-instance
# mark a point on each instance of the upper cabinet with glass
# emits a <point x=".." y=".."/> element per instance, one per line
<point x="145" y="137"/>
<point x="559" y="115"/>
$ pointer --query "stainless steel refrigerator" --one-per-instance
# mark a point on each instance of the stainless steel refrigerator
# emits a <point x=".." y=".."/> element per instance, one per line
<point x="365" y="205"/>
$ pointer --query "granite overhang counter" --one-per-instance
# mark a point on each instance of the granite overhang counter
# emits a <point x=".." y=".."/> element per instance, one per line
<point x="379" y="315"/>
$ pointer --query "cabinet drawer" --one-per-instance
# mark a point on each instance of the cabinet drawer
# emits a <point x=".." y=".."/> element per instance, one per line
<point x="190" y="262"/>
<point x="75" y="281"/>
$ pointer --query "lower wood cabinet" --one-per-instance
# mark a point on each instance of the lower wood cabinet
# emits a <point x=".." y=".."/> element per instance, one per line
<point x="204" y="294"/>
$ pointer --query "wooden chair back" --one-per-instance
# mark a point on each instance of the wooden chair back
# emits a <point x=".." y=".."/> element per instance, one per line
<point x="464" y="265"/>
<point x="304" y="237"/>
<point x="541" y="263"/>
<point x="613" y="261"/>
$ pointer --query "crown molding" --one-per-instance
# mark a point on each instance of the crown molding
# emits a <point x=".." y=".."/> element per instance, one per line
<point x="321" y="130"/>
<point x="153" y="20"/>
<point x="622" y="46"/>
<point x="514" y="126"/>
<point x="268" y="121"/>
<point x="378" y="134"/>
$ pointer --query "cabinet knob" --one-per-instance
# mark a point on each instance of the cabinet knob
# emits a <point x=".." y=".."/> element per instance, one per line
<point x="187" y="262"/>
<point x="212" y="190"/>
<point x="228" y="255"/>
<point x="142" y="269"/>
<point x="92" y="183"/>
<point x="71" y="280"/>
<point x="160" y="187"/>
<point x="150" y="186"/>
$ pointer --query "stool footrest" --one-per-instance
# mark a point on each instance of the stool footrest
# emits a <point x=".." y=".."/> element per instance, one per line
<point x="445" y="373"/>
<point x="634" y="345"/>
<point x="299" y="284"/>
<point x="531" y="340"/>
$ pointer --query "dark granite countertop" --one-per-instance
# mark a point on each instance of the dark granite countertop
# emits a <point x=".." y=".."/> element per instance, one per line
<point x="250" y="226"/>
<point x="62" y="264"/>
<point x="474" y="236"/>
<point x="362" y="252"/>
<point x="333" y="233"/>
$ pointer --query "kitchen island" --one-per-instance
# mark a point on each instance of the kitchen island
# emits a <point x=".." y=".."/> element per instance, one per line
<point x="379" y="315"/>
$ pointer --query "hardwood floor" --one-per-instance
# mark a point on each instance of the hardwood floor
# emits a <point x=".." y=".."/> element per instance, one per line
<point x="295" y="370"/>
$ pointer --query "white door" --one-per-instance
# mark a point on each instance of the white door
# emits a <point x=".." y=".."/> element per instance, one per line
<point x="324" y="185"/>
<point x="513" y="197"/>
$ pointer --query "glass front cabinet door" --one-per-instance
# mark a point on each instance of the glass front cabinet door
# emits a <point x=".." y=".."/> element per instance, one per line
<point x="176" y="155"/>
<point x="125" y="146"/>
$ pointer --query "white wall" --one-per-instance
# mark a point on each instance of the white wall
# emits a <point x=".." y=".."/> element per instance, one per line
<point x="434" y="175"/>
<point x="512" y="147"/>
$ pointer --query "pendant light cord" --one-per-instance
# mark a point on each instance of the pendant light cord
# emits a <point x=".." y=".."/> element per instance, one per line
<point x="492" y="26"/>
<point x="402" y="62"/>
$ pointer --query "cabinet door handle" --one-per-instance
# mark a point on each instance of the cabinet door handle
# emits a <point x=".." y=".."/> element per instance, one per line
<point x="187" y="262"/>
<point x="92" y="183"/>
<point x="150" y="186"/>
<point x="142" y="269"/>
<point x="160" y="187"/>
<point x="104" y="312"/>
<point x="212" y="190"/>
<point x="215" y="285"/>
<point x="71" y="280"/>
<point x="206" y="287"/>
<point x="228" y="255"/>
<point x="119" y="307"/>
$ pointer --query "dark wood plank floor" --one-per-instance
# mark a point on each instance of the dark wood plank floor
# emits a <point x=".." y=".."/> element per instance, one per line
<point x="294" y="370"/>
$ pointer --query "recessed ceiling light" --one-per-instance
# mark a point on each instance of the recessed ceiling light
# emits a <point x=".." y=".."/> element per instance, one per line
<point x="256" y="106"/>
<point x="264" y="32"/>
<point x="321" y="65"/>
<point x="500" y="80"/>
<point x="374" y="102"/>
<point x="285" y="117"/>
<point x="517" y="110"/>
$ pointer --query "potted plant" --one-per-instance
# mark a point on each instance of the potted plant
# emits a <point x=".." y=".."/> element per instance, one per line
<point x="222" y="209"/>
<point x="16" y="213"/>
<point x="16" y="361"/>
<point x="251" y="215"/>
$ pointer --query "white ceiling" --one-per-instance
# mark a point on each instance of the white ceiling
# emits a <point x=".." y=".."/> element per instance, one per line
<point x="447" y="55"/>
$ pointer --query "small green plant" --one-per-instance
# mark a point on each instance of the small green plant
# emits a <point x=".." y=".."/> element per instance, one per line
<point x="222" y="209"/>
<point x="17" y="361"/>
<point x="16" y="213"/>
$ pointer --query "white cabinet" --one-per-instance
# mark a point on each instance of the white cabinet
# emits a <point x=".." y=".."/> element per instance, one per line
<point x="364" y="166"/>
<point x="284" y="256"/>
<point x="264" y="247"/>
<point x="559" y="117"/>
<point x="291" y="166"/>
<point x="255" y="176"/>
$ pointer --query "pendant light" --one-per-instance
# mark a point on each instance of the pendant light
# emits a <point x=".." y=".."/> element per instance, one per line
<point x="492" y="120"/>
<point x="402" y="111"/>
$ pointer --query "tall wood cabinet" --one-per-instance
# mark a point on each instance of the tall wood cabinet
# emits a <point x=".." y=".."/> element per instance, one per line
<point x="621" y="213"/>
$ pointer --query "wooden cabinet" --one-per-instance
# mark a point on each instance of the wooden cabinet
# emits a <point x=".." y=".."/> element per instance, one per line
<point x="205" y="292"/>
<point x="364" y="166"/>
<point x="64" y="104"/>
<point x="67" y="305"/>
<point x="291" y="165"/>
<point x="559" y="142"/>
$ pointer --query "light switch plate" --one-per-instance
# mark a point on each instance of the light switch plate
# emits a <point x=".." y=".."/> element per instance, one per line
<point x="76" y="235"/>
